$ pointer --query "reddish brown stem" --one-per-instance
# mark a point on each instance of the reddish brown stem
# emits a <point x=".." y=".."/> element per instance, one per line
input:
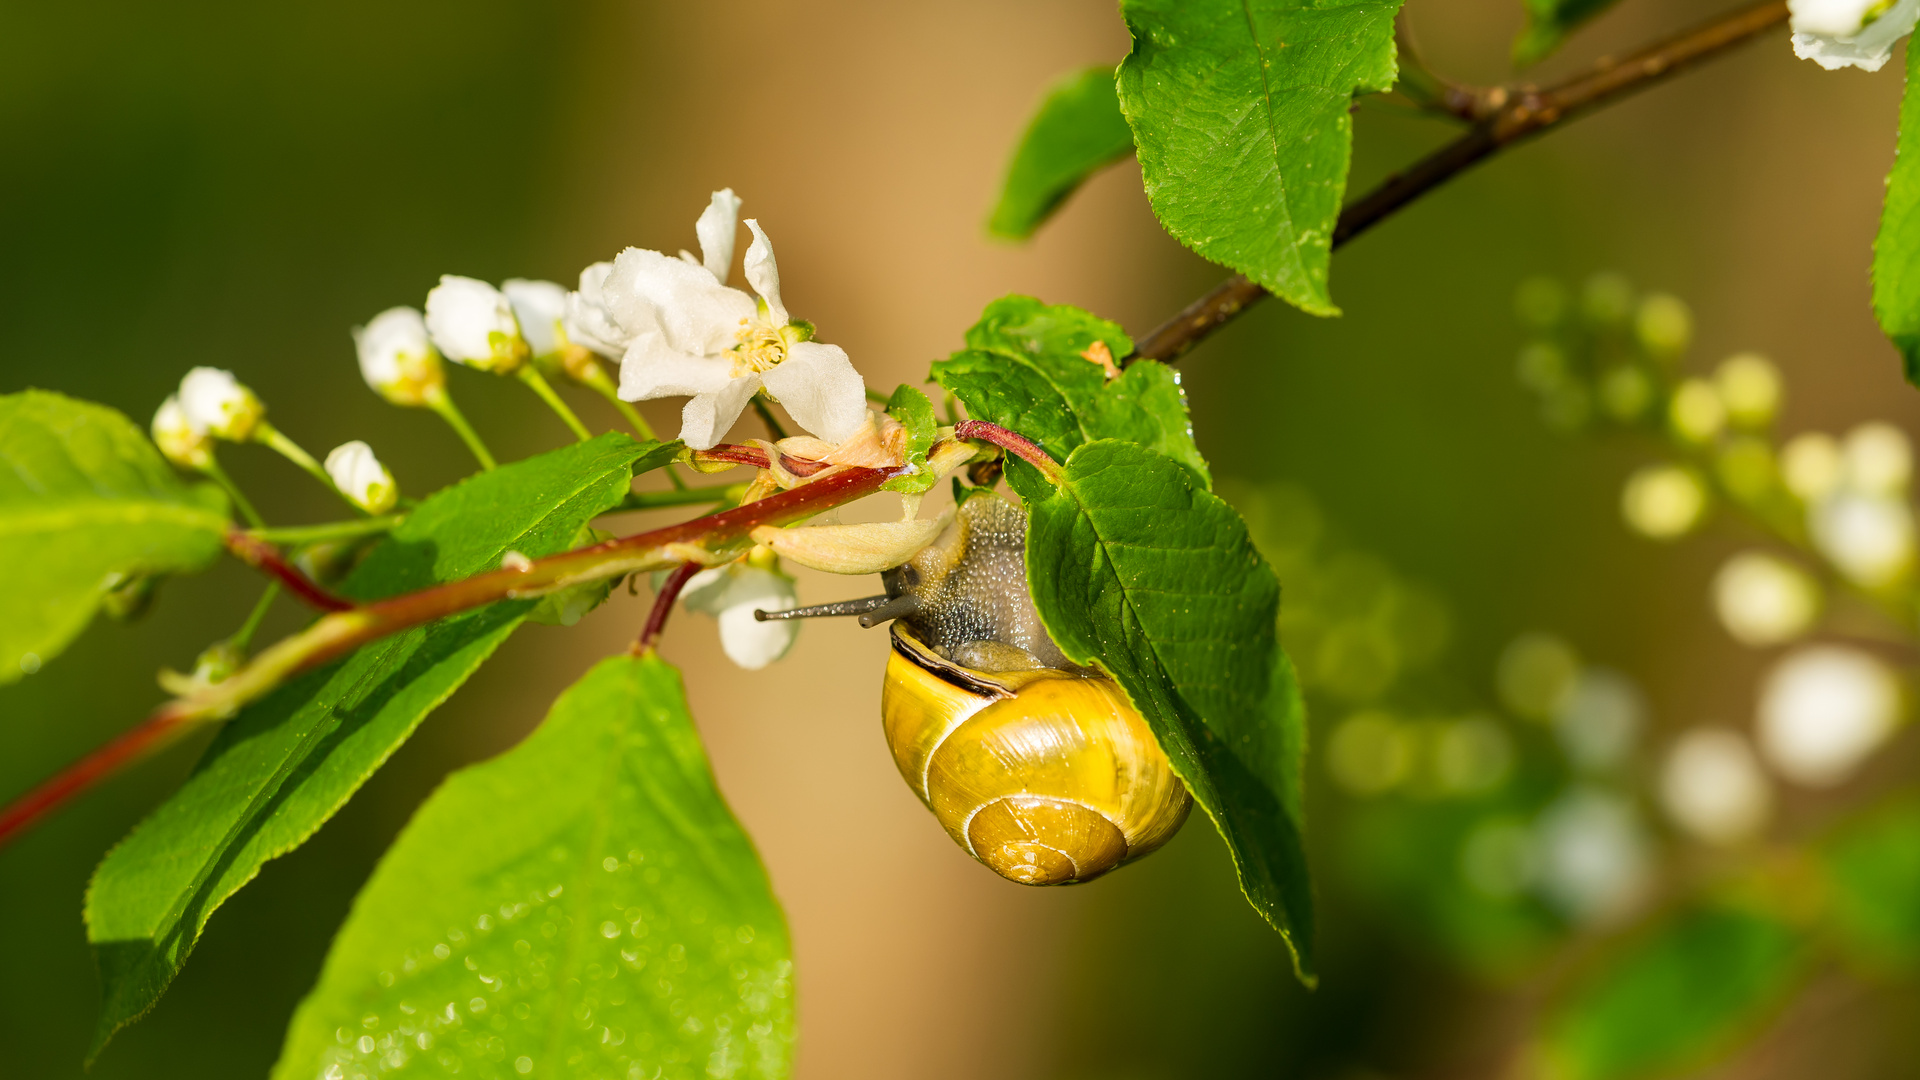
<point x="1506" y="116"/>
<point x="1012" y="442"/>
<point x="159" y="731"/>
<point x="261" y="555"/>
<point x="663" y="605"/>
<point x="735" y="454"/>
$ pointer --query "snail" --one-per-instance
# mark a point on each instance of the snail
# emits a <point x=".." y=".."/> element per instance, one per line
<point x="1036" y="766"/>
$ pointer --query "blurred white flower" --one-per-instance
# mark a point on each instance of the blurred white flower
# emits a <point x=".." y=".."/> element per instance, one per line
<point x="1823" y="710"/>
<point x="1592" y="854"/>
<point x="1763" y="600"/>
<point x="1869" y="538"/>
<point x="1471" y="756"/>
<point x="1750" y="387"/>
<point x="179" y="441"/>
<point x="1713" y="788"/>
<point x="398" y="359"/>
<point x="1696" y="412"/>
<point x="219" y="405"/>
<point x="1850" y="33"/>
<point x="361" y="478"/>
<point x="1600" y="719"/>
<point x="1879" y="459"/>
<point x="1369" y="753"/>
<point x="1663" y="502"/>
<point x="540" y="307"/>
<point x="1535" y="675"/>
<point x="687" y="334"/>
<point x="472" y="323"/>
<point x="730" y="594"/>
<point x="1811" y="465"/>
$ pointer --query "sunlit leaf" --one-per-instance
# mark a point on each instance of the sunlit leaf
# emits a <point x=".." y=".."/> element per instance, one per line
<point x="1239" y="109"/>
<point x="1077" y="132"/>
<point x="1548" y="24"/>
<point x="582" y="905"/>
<point x="912" y="409"/>
<point x="1873" y="867"/>
<point x="86" y="504"/>
<point x="1896" y="251"/>
<point x="283" y="766"/>
<point x="1135" y="566"/>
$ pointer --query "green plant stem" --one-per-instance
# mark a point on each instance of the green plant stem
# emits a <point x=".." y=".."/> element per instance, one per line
<point x="654" y="500"/>
<point x="297" y="535"/>
<point x="244" y="636"/>
<point x="219" y="475"/>
<point x="877" y="397"/>
<point x="774" y="430"/>
<point x="442" y="404"/>
<point x="531" y="376"/>
<point x="274" y="439"/>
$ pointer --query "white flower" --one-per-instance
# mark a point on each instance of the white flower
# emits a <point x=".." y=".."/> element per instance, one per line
<point x="1749" y="386"/>
<point x="1764" y="601"/>
<point x="219" y="405"/>
<point x="472" y="323"/>
<point x="1663" y="501"/>
<point x="1850" y="33"/>
<point x="540" y="307"/>
<point x="1599" y="719"/>
<point x="177" y="438"/>
<point x="1823" y="709"/>
<point x="1592" y="854"/>
<point x="1696" y="412"/>
<point x="1713" y="788"/>
<point x="361" y="478"/>
<point x="730" y="594"/>
<point x="1811" y="465"/>
<point x="1869" y="538"/>
<point x="687" y="334"/>
<point x="397" y="359"/>
<point x="588" y="323"/>
<point x="1879" y="459"/>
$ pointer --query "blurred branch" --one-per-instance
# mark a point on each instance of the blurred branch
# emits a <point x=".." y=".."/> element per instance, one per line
<point x="1502" y="116"/>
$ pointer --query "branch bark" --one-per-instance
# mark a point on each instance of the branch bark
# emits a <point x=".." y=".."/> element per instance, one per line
<point x="1503" y="117"/>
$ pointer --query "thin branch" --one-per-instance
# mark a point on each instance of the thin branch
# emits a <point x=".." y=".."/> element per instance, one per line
<point x="663" y="605"/>
<point x="1013" y="443"/>
<point x="1507" y="116"/>
<point x="255" y="552"/>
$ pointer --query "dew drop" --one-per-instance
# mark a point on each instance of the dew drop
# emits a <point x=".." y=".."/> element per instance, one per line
<point x="610" y="864"/>
<point x="477" y="1006"/>
<point x="609" y="929"/>
<point x="523" y="1065"/>
<point x="441" y="951"/>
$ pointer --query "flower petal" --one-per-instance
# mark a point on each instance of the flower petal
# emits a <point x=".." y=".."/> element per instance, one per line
<point x="651" y="368"/>
<point x="821" y="390"/>
<point x="698" y="314"/>
<point x="539" y="307"/>
<point x="1868" y="49"/>
<point x="764" y="274"/>
<point x="718" y="224"/>
<point x="706" y="417"/>
<point x="731" y="594"/>
<point x="866" y="548"/>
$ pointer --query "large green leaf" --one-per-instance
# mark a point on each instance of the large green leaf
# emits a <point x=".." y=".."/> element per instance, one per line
<point x="1873" y="873"/>
<point x="1676" y="999"/>
<point x="1134" y="566"/>
<point x="1027" y="368"/>
<point x="286" y="763"/>
<point x="1077" y="132"/>
<point x="1548" y="24"/>
<point x="86" y="503"/>
<point x="1896" y="251"/>
<point x="1240" y="112"/>
<point x="581" y="906"/>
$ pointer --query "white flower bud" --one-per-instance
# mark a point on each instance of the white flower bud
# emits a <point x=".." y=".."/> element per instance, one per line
<point x="1696" y="412"/>
<point x="1811" y="465"/>
<point x="1823" y="710"/>
<point x="1879" y="459"/>
<point x="730" y="594"/>
<point x="588" y="322"/>
<point x="540" y="307"/>
<point x="219" y="405"/>
<point x="1713" y="788"/>
<point x="1599" y="719"/>
<point x="1764" y="601"/>
<point x="1593" y="861"/>
<point x="1850" y="33"/>
<point x="1664" y="502"/>
<point x="1750" y="388"/>
<point x="397" y="358"/>
<point x="1868" y="538"/>
<point x="472" y="323"/>
<point x="177" y="438"/>
<point x="361" y="478"/>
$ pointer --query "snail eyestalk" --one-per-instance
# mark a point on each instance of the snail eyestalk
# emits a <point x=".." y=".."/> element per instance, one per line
<point x="900" y="607"/>
<point x="822" y="611"/>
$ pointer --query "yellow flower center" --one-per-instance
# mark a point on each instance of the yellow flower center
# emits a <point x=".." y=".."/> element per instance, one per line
<point x="762" y="346"/>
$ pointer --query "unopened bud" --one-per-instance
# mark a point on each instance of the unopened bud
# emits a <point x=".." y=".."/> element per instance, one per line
<point x="1811" y="466"/>
<point x="398" y="359"/>
<point x="1823" y="710"/>
<point x="472" y="323"/>
<point x="1663" y="501"/>
<point x="1879" y="459"/>
<point x="219" y="405"/>
<point x="1696" y="412"/>
<point x="361" y="478"/>
<point x="1750" y="388"/>
<point x="1764" y="601"/>
<point x="177" y="438"/>
<point x="1868" y="538"/>
<point x="1664" y="325"/>
<point x="540" y="307"/>
<point x="1713" y="788"/>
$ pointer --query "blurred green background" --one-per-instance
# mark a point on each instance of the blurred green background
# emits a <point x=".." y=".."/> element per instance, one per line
<point x="238" y="185"/>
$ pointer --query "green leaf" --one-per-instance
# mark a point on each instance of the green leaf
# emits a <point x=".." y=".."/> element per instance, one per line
<point x="86" y="505"/>
<point x="1077" y="132"/>
<point x="1548" y="24"/>
<point x="1873" y="874"/>
<point x="282" y="767"/>
<point x="1240" y="113"/>
<point x="1896" y="251"/>
<point x="912" y="409"/>
<point x="582" y="905"/>
<point x="1027" y="368"/>
<point x="1134" y="566"/>
<point x="1677" y="998"/>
